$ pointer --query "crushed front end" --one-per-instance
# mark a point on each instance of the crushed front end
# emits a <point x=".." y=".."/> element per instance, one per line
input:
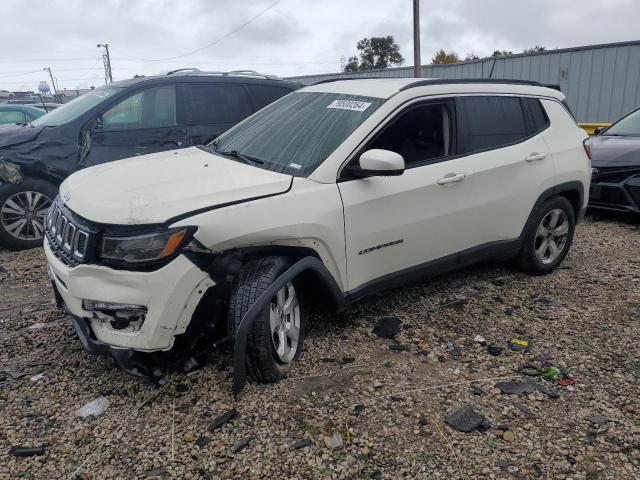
<point x="115" y="309"/>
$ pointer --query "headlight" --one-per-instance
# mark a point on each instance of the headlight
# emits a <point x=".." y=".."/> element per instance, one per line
<point x="145" y="248"/>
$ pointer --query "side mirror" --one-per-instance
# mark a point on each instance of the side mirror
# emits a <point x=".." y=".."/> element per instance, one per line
<point x="599" y="130"/>
<point x="97" y="124"/>
<point x="379" y="163"/>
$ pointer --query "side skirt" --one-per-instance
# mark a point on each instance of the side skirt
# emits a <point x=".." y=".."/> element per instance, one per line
<point x="499" y="250"/>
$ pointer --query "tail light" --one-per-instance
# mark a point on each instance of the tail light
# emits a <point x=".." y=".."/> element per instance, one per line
<point x="587" y="148"/>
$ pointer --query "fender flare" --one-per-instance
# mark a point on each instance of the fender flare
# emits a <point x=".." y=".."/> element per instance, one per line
<point x="240" y="344"/>
<point x="573" y="186"/>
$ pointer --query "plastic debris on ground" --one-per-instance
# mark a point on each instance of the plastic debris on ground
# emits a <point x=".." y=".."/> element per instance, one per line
<point x="518" y="345"/>
<point x="36" y="377"/>
<point x="301" y="444"/>
<point x="241" y="444"/>
<point x="516" y="388"/>
<point x="223" y="419"/>
<point x="552" y="373"/>
<point x="480" y="339"/>
<point x="388" y="327"/>
<point x="467" y="420"/>
<point x="494" y="350"/>
<point x="20" y="451"/>
<point x="94" y="409"/>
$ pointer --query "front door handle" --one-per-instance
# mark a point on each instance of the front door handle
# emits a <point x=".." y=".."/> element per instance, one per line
<point x="452" y="178"/>
<point x="534" y="157"/>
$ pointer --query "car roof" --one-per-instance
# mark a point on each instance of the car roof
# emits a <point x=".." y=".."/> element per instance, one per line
<point x="200" y="76"/>
<point x="20" y="107"/>
<point x="388" y="87"/>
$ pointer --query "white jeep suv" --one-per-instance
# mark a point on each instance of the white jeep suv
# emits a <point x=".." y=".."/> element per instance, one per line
<point x="332" y="192"/>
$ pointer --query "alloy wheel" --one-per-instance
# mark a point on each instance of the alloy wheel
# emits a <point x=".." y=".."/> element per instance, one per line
<point x="551" y="236"/>
<point x="23" y="214"/>
<point x="284" y="320"/>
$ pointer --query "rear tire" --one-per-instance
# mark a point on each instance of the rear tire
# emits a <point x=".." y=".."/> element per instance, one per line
<point x="276" y="339"/>
<point x="23" y="210"/>
<point x="548" y="237"/>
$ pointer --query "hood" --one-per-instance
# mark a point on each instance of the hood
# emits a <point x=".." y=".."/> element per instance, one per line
<point x="610" y="151"/>
<point x="13" y="134"/>
<point x="154" y="188"/>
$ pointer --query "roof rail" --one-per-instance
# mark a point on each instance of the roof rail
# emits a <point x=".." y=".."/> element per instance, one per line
<point x="177" y="70"/>
<point x="232" y="73"/>
<point x="329" y="80"/>
<point x="442" y="81"/>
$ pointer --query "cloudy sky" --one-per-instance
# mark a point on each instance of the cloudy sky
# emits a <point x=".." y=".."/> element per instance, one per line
<point x="286" y="37"/>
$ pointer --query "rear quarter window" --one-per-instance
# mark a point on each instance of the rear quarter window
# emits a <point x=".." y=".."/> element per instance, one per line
<point x="215" y="103"/>
<point x="263" y="95"/>
<point x="536" y="117"/>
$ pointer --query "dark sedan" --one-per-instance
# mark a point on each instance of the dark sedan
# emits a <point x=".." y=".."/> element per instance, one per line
<point x="615" y="182"/>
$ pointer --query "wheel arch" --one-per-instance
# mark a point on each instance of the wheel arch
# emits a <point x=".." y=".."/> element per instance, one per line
<point x="318" y="285"/>
<point x="572" y="191"/>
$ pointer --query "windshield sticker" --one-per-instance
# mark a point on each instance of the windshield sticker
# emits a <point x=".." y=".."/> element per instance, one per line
<point x="354" y="105"/>
<point x="295" y="165"/>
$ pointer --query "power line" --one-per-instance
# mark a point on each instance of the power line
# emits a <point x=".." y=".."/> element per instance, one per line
<point x="211" y="44"/>
<point x="39" y="60"/>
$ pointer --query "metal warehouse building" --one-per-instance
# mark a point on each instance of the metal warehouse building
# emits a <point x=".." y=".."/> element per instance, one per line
<point x="601" y="82"/>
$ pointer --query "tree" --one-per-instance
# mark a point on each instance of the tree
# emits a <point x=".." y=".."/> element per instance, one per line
<point x="501" y="53"/>
<point x="471" y="56"/>
<point x="442" y="58"/>
<point x="375" y="53"/>
<point x="535" y="49"/>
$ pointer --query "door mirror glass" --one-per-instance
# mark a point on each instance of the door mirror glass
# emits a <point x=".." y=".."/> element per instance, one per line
<point x="599" y="130"/>
<point x="378" y="162"/>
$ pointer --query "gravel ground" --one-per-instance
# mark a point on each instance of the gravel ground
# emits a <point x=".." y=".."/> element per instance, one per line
<point x="366" y="407"/>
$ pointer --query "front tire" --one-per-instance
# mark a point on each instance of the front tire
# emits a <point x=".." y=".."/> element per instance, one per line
<point x="23" y="210"/>
<point x="548" y="237"/>
<point x="276" y="339"/>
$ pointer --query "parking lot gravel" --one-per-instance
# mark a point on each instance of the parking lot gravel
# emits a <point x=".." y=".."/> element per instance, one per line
<point x="355" y="405"/>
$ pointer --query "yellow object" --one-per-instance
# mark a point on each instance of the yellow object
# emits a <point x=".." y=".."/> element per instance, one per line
<point x="173" y="243"/>
<point x="522" y="343"/>
<point x="590" y="127"/>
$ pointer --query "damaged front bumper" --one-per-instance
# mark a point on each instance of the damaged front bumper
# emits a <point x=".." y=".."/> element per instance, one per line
<point x="164" y="302"/>
<point x="615" y="189"/>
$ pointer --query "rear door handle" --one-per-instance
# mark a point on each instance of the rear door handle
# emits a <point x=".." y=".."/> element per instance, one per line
<point x="534" y="157"/>
<point x="452" y="178"/>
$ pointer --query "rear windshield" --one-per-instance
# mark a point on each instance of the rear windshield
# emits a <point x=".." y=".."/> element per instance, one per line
<point x="298" y="132"/>
<point x="76" y="107"/>
<point x="628" y="126"/>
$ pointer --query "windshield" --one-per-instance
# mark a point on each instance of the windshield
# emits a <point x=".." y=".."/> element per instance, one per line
<point x="76" y="107"/>
<point x="298" y="132"/>
<point x="629" y="125"/>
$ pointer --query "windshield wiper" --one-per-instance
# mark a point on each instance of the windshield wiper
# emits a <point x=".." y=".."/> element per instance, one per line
<point x="245" y="158"/>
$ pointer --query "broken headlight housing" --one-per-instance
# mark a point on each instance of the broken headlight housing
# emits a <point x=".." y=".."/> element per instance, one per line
<point x="147" y="248"/>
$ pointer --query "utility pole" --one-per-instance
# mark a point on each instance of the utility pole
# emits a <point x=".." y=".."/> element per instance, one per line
<point x="53" y="84"/>
<point x="106" y="59"/>
<point x="416" y="39"/>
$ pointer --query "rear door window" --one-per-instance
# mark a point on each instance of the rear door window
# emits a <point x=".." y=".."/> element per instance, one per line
<point x="210" y="103"/>
<point x="486" y="122"/>
<point x="263" y="95"/>
<point x="151" y="108"/>
<point x="11" y="116"/>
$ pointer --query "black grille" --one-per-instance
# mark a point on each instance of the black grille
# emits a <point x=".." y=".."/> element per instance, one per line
<point x="613" y="195"/>
<point x="68" y="237"/>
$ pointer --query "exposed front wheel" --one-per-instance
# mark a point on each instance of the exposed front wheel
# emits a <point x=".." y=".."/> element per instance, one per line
<point x="548" y="237"/>
<point x="23" y="210"/>
<point x="277" y="336"/>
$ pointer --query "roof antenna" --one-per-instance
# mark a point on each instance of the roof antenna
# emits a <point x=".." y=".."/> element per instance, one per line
<point x="43" y="105"/>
